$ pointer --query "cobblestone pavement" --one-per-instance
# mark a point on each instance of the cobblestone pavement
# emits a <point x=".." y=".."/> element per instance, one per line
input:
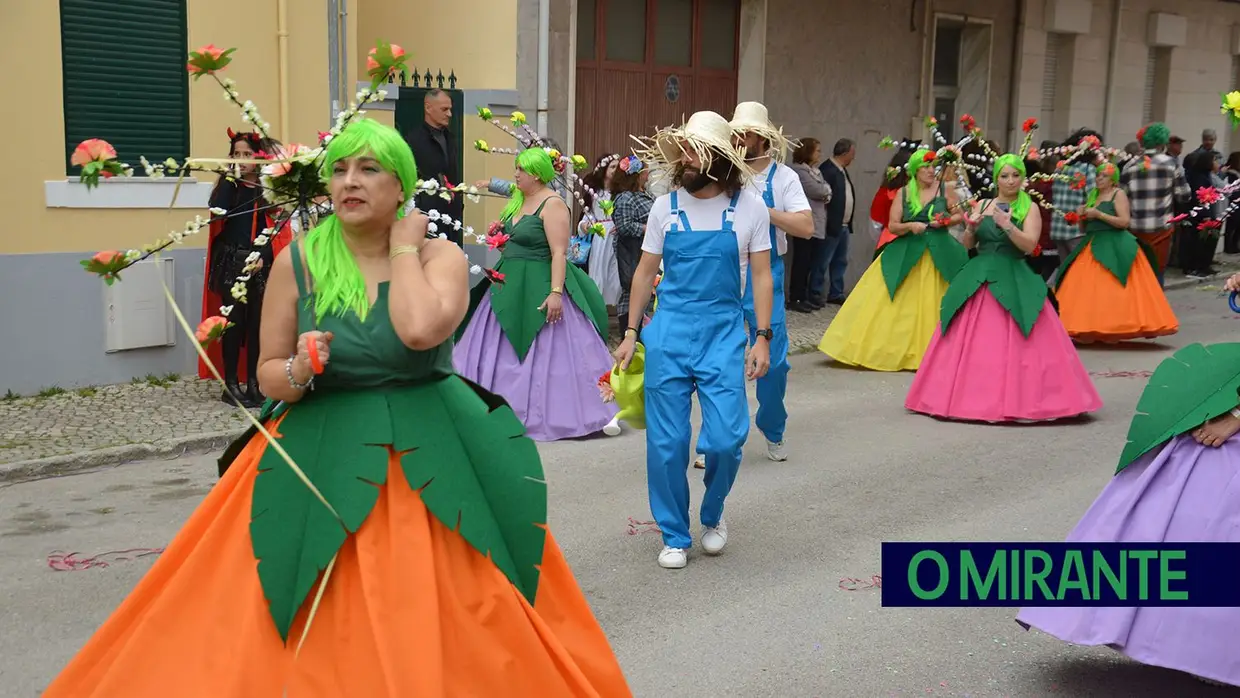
<point x="114" y="416"/>
<point x="156" y="416"/>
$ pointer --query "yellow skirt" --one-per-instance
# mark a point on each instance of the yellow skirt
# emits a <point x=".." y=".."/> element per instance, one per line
<point x="873" y="331"/>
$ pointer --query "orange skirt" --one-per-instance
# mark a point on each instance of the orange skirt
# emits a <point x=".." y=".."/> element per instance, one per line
<point x="1095" y="306"/>
<point x="411" y="610"/>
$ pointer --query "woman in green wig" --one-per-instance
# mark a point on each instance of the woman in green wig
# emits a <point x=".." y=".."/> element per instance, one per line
<point x="400" y="548"/>
<point x="536" y="331"/>
<point x="889" y="318"/>
<point x="1000" y="353"/>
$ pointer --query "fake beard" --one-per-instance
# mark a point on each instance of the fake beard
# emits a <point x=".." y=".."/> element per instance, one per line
<point x="695" y="180"/>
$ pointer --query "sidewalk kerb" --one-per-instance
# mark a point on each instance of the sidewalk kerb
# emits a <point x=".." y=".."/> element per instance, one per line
<point x="66" y="464"/>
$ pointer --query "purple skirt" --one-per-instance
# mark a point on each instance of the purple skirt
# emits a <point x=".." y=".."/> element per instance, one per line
<point x="555" y="391"/>
<point x="1186" y="493"/>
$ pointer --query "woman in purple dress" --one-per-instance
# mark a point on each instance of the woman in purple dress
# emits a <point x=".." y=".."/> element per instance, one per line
<point x="1179" y="481"/>
<point x="535" y="333"/>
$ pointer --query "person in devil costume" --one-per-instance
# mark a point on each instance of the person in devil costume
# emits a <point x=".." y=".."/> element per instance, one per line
<point x="230" y="242"/>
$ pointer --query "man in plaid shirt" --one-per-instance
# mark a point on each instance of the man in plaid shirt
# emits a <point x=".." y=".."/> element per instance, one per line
<point x="1152" y="190"/>
<point x="1068" y="198"/>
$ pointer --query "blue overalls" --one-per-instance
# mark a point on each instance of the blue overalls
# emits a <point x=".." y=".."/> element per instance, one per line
<point x="772" y="417"/>
<point x="696" y="341"/>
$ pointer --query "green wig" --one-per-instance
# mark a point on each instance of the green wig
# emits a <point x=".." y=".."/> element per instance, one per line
<point x="913" y="188"/>
<point x="1023" y="202"/>
<point x="534" y="161"/>
<point x="1104" y="170"/>
<point x="1155" y="135"/>
<point x="339" y="286"/>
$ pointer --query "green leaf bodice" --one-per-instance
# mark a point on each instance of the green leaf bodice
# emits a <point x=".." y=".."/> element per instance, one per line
<point x="1114" y="248"/>
<point x="526" y="265"/>
<point x="461" y="446"/>
<point x="1001" y="266"/>
<point x="899" y="256"/>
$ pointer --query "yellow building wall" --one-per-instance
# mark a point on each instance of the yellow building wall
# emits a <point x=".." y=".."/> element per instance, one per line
<point x="477" y="40"/>
<point x="34" y="228"/>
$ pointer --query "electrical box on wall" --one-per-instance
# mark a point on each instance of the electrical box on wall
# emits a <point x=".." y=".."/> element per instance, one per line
<point x="136" y="312"/>
<point x="1069" y="16"/>
<point x="1167" y="30"/>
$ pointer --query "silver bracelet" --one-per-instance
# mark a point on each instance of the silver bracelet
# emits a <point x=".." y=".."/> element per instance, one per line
<point x="1235" y="412"/>
<point x="288" y="371"/>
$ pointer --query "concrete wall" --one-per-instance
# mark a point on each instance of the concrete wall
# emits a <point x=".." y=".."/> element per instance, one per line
<point x="1186" y="95"/>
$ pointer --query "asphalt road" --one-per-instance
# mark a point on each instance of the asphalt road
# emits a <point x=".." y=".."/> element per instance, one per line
<point x="767" y="618"/>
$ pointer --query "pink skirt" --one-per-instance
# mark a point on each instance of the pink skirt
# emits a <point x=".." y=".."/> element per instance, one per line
<point x="986" y="370"/>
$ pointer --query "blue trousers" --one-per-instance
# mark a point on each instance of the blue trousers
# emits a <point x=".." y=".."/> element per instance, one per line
<point x="772" y="416"/>
<point x="685" y="353"/>
<point x="832" y="260"/>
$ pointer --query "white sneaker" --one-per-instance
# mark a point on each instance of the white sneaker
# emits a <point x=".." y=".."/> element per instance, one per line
<point x="613" y="427"/>
<point x="776" y="451"/>
<point x="713" y="539"/>
<point x="700" y="463"/>
<point x="673" y="558"/>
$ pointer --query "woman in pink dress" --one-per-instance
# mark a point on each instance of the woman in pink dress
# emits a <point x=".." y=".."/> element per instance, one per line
<point x="1000" y="353"/>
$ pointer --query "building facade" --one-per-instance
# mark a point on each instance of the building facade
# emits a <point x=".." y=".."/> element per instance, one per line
<point x="116" y="70"/>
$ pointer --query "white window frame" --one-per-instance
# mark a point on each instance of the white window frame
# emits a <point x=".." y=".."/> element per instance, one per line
<point x="128" y="192"/>
<point x="983" y="119"/>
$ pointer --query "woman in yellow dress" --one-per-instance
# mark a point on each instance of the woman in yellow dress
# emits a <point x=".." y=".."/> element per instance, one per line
<point x="891" y="315"/>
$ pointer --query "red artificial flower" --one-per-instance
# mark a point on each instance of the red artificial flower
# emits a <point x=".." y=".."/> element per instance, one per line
<point x="969" y="123"/>
<point x="1037" y="250"/>
<point x="604" y="379"/>
<point x="1177" y="219"/>
<point x="1071" y="218"/>
<point x="1207" y="195"/>
<point x="1033" y="154"/>
<point x="1210" y="224"/>
<point x="497" y="241"/>
<point x="930" y="156"/>
<point x="1078" y="182"/>
<point x="943" y="219"/>
<point x="494" y="276"/>
<point x="1092" y="141"/>
<point x="1029" y="125"/>
<point x="1141" y="134"/>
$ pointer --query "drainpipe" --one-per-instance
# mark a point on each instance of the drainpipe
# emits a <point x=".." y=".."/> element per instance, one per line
<point x="346" y="80"/>
<point x="1018" y="28"/>
<point x="544" y="61"/>
<point x="282" y="36"/>
<point x="1108" y="110"/>
<point x="927" y="64"/>
<point x="333" y="57"/>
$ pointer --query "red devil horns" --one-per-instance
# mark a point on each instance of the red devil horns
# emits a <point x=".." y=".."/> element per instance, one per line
<point x="231" y="133"/>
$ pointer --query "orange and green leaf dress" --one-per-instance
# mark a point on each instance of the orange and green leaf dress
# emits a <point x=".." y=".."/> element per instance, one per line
<point x="442" y="578"/>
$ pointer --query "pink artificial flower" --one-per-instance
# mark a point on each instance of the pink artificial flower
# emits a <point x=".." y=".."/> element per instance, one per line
<point x="371" y="64"/>
<point x="279" y="169"/>
<point x="497" y="241"/>
<point x="210" y="329"/>
<point x="1207" y="195"/>
<point x="92" y="150"/>
<point x="207" y="60"/>
<point x="107" y="257"/>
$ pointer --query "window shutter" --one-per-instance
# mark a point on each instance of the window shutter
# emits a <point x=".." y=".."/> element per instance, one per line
<point x="1050" y="79"/>
<point x="125" y="77"/>
<point x="1151" y="69"/>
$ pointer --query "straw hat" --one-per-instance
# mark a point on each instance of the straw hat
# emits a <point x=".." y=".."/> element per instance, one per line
<point x="752" y="117"/>
<point x="704" y="132"/>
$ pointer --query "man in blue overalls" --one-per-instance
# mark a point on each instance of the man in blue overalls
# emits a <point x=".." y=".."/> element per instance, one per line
<point x="711" y="236"/>
<point x="766" y="149"/>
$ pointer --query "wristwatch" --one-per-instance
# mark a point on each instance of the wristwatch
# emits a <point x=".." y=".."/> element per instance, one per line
<point x="765" y="333"/>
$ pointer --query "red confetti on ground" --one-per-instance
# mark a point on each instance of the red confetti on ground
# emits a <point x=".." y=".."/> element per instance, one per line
<point x="853" y="584"/>
<point x="638" y="527"/>
<point x="70" y="562"/>
<point x="1122" y="374"/>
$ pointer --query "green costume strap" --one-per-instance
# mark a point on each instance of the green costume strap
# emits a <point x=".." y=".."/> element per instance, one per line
<point x="526" y="266"/>
<point x="1196" y="384"/>
<point x="899" y="256"/>
<point x="460" y="446"/>
<point x="1001" y="266"/>
<point x="1114" y="248"/>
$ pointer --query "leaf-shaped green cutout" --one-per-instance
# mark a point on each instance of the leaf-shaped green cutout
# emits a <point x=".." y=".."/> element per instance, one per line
<point x="1194" y="385"/>
<point x="961" y="289"/>
<point x="898" y="259"/>
<point x="478" y="473"/>
<point x="337" y="439"/>
<point x="1017" y="288"/>
<point x="948" y="254"/>
<point x="1116" y="251"/>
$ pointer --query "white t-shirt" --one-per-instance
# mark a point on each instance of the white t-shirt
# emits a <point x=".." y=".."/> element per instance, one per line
<point x="789" y="196"/>
<point x="751" y="222"/>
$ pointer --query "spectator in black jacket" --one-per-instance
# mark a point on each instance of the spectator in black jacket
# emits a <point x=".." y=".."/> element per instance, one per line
<point x="434" y="150"/>
<point x="833" y="261"/>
